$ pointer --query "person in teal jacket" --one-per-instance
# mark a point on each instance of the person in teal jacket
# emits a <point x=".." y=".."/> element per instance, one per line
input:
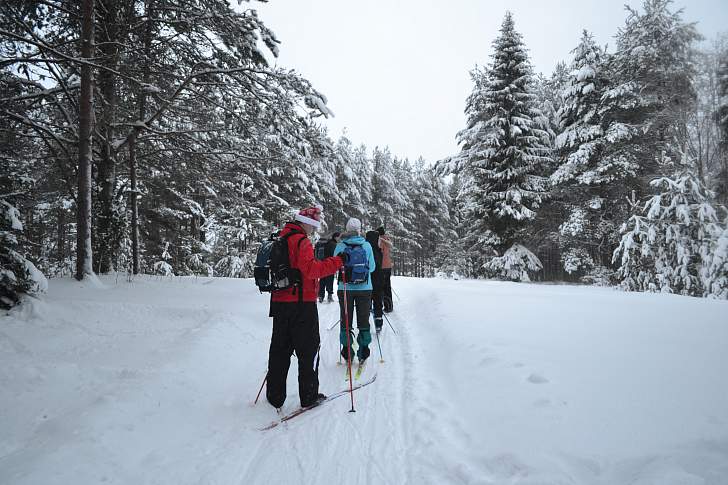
<point x="358" y="296"/>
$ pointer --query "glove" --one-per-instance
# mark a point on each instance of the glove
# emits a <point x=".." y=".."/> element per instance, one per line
<point x="344" y="258"/>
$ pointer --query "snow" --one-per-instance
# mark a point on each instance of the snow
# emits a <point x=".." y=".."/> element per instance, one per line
<point x="586" y="72"/>
<point x="40" y="282"/>
<point x="486" y="382"/>
<point x="12" y="215"/>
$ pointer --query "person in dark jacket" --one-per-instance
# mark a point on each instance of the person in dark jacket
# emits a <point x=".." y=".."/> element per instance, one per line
<point x="327" y="284"/>
<point x="385" y="244"/>
<point x="372" y="238"/>
<point x="295" y="316"/>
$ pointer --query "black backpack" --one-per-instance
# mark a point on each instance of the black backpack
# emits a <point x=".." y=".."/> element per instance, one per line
<point x="273" y="270"/>
<point x="319" y="251"/>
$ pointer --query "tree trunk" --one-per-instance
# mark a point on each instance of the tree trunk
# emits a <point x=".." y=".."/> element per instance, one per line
<point x="84" y="255"/>
<point x="108" y="49"/>
<point x="133" y="204"/>
<point x="133" y="138"/>
<point x="61" y="254"/>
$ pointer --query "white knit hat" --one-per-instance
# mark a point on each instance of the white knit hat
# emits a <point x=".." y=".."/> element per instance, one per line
<point x="353" y="225"/>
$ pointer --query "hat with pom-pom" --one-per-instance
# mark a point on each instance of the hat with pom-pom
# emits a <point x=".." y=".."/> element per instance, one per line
<point x="310" y="215"/>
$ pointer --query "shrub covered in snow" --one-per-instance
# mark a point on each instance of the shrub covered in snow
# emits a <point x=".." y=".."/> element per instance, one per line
<point x="716" y="271"/>
<point x="17" y="274"/>
<point x="576" y="259"/>
<point x="163" y="267"/>
<point x="669" y="246"/>
<point x="599" y="276"/>
<point x="233" y="266"/>
<point x="515" y="264"/>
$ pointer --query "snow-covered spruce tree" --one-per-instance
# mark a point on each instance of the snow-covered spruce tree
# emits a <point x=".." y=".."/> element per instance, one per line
<point x="644" y="108"/>
<point x="667" y="246"/>
<point x="17" y="275"/>
<point x="502" y="151"/>
<point x="584" y="181"/>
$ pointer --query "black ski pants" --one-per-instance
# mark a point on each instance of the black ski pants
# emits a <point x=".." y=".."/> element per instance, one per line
<point x="387" y="290"/>
<point x="377" y="294"/>
<point x="295" y="328"/>
<point x="326" y="285"/>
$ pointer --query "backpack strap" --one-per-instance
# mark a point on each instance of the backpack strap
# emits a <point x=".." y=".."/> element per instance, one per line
<point x="298" y="288"/>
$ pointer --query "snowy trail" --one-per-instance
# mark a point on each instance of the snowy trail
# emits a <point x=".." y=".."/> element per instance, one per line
<point x="330" y="443"/>
<point x="484" y="383"/>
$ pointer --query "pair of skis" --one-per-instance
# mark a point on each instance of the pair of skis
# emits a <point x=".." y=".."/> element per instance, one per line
<point x="357" y="374"/>
<point x="300" y="411"/>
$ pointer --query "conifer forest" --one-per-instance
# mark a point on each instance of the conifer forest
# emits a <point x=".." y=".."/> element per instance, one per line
<point x="157" y="137"/>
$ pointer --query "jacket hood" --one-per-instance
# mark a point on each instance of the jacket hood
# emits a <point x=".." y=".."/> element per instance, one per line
<point x="352" y="237"/>
<point x="292" y="227"/>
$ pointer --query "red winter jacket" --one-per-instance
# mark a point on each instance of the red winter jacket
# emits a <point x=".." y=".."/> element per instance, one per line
<point x="300" y="253"/>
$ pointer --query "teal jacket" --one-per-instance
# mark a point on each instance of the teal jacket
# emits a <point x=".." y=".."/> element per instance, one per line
<point x="372" y="264"/>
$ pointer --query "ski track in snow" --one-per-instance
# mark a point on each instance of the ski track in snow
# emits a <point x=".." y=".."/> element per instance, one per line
<point x="484" y="383"/>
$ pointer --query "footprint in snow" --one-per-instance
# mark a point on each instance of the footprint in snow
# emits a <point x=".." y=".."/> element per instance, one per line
<point x="486" y="361"/>
<point x="537" y="379"/>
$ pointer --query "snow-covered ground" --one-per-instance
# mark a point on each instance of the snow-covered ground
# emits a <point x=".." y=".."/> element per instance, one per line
<point x="484" y="383"/>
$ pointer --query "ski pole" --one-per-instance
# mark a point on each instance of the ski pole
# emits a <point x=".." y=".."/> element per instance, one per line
<point x="334" y="324"/>
<point x="348" y="342"/>
<point x="381" y="357"/>
<point x="389" y="322"/>
<point x="396" y="294"/>
<point x="261" y="388"/>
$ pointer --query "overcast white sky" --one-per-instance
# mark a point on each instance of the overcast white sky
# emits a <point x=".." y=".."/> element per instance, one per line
<point x="396" y="72"/>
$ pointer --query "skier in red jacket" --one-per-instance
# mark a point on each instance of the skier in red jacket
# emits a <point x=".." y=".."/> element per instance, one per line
<point x="295" y="316"/>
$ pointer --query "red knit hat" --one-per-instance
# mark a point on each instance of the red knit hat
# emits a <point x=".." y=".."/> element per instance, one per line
<point x="310" y="215"/>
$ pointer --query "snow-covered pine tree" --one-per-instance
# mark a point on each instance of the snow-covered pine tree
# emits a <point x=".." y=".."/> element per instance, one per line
<point x="384" y="191"/>
<point x="456" y="259"/>
<point x="502" y="149"/>
<point x="323" y="166"/>
<point x="349" y="186"/>
<point x="431" y="219"/>
<point x="362" y="168"/>
<point x="722" y="119"/>
<point x="583" y="183"/>
<point x="667" y="245"/>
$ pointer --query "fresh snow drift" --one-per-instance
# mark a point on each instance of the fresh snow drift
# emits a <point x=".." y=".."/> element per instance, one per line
<point x="485" y="383"/>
